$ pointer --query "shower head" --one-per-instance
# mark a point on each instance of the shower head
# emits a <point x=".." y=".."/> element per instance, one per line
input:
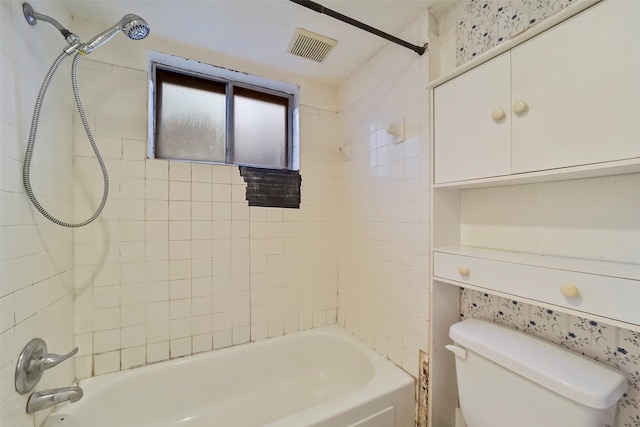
<point x="133" y="26"/>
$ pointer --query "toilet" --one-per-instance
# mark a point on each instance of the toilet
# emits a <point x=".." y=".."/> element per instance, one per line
<point x="507" y="378"/>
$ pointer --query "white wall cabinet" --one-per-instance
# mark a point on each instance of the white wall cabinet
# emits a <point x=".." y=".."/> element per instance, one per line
<point x="474" y="145"/>
<point x="580" y="81"/>
<point x="527" y="203"/>
<point x="567" y="97"/>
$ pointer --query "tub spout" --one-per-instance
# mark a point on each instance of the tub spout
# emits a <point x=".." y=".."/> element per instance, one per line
<point x="47" y="398"/>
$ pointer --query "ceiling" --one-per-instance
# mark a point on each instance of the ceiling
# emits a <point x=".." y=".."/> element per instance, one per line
<point x="260" y="30"/>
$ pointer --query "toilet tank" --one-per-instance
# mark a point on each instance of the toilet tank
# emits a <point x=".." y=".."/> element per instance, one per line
<point x="509" y="378"/>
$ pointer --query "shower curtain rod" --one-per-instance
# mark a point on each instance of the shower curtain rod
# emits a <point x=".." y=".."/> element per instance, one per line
<point x="332" y="13"/>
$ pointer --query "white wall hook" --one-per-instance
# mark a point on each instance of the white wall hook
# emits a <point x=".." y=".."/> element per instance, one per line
<point x="397" y="131"/>
<point x="345" y="152"/>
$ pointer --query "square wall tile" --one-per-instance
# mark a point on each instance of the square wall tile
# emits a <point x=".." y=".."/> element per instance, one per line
<point x="106" y="363"/>
<point x="157" y="352"/>
<point x="180" y="171"/>
<point x="180" y="347"/>
<point x="133" y="357"/>
<point x="202" y="343"/>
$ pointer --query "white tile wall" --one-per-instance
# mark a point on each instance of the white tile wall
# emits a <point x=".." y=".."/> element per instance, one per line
<point x="382" y="210"/>
<point x="35" y="255"/>
<point x="178" y="263"/>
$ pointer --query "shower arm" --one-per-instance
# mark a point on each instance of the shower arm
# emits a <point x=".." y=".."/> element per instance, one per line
<point x="32" y="17"/>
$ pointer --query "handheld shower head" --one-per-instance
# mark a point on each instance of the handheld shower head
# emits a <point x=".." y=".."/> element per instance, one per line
<point x="133" y="26"/>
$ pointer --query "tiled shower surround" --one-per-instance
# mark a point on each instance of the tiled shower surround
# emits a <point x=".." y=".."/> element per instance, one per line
<point x="178" y="263"/>
<point x="36" y="257"/>
<point x="382" y="203"/>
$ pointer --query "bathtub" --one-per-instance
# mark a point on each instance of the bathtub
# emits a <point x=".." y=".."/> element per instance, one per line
<point x="322" y="377"/>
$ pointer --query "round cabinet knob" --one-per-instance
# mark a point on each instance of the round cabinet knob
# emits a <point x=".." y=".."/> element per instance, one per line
<point x="498" y="114"/>
<point x="463" y="270"/>
<point x="570" y="290"/>
<point x="520" y="107"/>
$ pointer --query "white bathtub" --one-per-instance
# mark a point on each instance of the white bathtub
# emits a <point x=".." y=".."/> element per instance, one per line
<point x="322" y="377"/>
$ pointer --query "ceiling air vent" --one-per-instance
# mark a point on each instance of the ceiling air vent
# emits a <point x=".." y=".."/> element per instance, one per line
<point x="311" y="45"/>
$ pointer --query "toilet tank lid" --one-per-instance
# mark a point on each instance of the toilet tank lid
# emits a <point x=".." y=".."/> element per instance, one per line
<point x="569" y="374"/>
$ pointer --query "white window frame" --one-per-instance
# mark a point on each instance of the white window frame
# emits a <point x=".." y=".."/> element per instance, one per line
<point x="212" y="72"/>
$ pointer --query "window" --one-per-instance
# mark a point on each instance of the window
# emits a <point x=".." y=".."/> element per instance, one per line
<point x="191" y="115"/>
<point x="204" y="113"/>
<point x="260" y="126"/>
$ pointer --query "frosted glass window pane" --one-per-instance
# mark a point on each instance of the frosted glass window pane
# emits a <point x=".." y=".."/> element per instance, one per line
<point x="191" y="118"/>
<point x="259" y="129"/>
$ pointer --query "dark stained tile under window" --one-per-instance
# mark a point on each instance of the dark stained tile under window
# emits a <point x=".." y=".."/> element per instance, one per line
<point x="272" y="187"/>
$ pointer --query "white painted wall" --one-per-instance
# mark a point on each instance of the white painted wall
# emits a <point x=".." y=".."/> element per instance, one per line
<point x="593" y="218"/>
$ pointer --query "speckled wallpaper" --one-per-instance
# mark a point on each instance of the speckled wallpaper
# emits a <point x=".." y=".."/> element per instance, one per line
<point x="614" y="346"/>
<point x="483" y="24"/>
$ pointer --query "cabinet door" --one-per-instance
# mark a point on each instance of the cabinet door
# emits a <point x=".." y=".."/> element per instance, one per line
<point x="469" y="142"/>
<point x="581" y="83"/>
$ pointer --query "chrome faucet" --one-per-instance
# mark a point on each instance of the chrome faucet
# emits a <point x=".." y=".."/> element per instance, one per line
<point x="47" y="398"/>
<point x="33" y="361"/>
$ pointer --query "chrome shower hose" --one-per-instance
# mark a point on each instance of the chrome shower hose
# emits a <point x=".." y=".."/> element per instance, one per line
<point x="32" y="137"/>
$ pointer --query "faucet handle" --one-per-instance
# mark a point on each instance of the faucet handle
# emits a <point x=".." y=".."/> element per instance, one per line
<point x="49" y="360"/>
<point x="33" y="361"/>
